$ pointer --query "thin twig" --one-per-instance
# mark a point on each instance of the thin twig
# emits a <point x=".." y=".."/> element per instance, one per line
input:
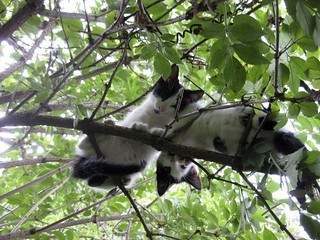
<point x="134" y="205"/>
<point x="43" y="177"/>
<point x="37" y="204"/>
<point x="276" y="54"/>
<point x="282" y="226"/>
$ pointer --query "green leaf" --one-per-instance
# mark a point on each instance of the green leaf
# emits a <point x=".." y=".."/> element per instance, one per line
<point x="294" y="110"/>
<point x="268" y="235"/>
<point x="313" y="63"/>
<point x="305" y="18"/>
<point x="308" y="44"/>
<point x="284" y="73"/>
<point x="219" y="53"/>
<point x="234" y="74"/>
<point x="246" y="29"/>
<point x="316" y="32"/>
<point x="310" y="225"/>
<point x="83" y="110"/>
<point x="162" y="65"/>
<point x="309" y="109"/>
<point x="41" y="96"/>
<point x="297" y="68"/>
<point x="291" y="7"/>
<point x="148" y="51"/>
<point x="314" y="207"/>
<point x="3" y="10"/>
<point x="35" y="85"/>
<point x="212" y="30"/>
<point x="172" y="54"/>
<point x="249" y="54"/>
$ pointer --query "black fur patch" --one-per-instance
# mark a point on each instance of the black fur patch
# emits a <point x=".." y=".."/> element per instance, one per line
<point x="286" y="143"/>
<point x="268" y="125"/>
<point x="219" y="145"/>
<point x="89" y="167"/>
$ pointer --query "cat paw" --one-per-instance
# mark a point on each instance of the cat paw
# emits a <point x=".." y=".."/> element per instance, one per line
<point x="109" y="121"/>
<point x="157" y="131"/>
<point x="140" y="126"/>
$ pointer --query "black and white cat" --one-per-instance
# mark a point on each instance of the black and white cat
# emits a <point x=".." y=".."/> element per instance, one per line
<point x="124" y="159"/>
<point x="221" y="131"/>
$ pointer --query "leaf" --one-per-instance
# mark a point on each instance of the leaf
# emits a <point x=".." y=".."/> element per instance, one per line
<point x="284" y="73"/>
<point x="308" y="44"/>
<point x="314" y="207"/>
<point x="297" y="68"/>
<point x="268" y="235"/>
<point x="249" y="54"/>
<point x="294" y="110"/>
<point x="3" y="10"/>
<point x="162" y="65"/>
<point x="316" y="32"/>
<point x="304" y="18"/>
<point x="291" y="7"/>
<point x="212" y="30"/>
<point x="234" y="74"/>
<point x="35" y="85"/>
<point x="148" y="51"/>
<point x="41" y="96"/>
<point x="310" y="225"/>
<point x="219" y="53"/>
<point x="83" y="110"/>
<point x="313" y="63"/>
<point x="309" y="109"/>
<point x="292" y="160"/>
<point x="172" y="54"/>
<point x="246" y="29"/>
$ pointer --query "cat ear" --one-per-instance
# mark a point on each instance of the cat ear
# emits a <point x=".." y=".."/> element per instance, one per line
<point x="163" y="184"/>
<point x="192" y="96"/>
<point x="173" y="77"/>
<point x="163" y="179"/>
<point x="193" y="178"/>
<point x="174" y="74"/>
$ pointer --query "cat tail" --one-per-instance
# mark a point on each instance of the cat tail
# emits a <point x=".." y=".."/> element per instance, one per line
<point x="286" y="143"/>
<point x="93" y="166"/>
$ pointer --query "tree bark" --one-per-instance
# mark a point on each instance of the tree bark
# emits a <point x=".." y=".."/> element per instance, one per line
<point x="31" y="8"/>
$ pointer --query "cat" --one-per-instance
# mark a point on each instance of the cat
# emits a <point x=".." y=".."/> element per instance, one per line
<point x="221" y="131"/>
<point x="123" y="160"/>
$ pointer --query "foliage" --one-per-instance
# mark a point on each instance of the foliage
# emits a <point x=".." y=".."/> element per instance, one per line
<point x="61" y="63"/>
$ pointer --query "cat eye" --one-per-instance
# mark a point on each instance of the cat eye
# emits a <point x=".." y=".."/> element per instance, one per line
<point x="183" y="166"/>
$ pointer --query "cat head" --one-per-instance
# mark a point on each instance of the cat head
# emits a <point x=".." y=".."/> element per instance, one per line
<point x="173" y="169"/>
<point x="167" y="92"/>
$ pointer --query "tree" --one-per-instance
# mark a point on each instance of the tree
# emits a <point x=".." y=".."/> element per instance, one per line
<point x="60" y="67"/>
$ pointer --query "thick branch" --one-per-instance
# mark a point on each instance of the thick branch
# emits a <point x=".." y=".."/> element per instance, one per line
<point x="31" y="8"/>
<point x="160" y="144"/>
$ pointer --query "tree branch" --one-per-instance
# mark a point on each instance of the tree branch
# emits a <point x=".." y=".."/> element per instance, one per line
<point x="24" y="162"/>
<point x="94" y="127"/>
<point x="31" y="8"/>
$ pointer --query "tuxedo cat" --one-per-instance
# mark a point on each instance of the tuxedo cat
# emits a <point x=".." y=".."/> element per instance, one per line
<point x="124" y="159"/>
<point x="221" y="131"/>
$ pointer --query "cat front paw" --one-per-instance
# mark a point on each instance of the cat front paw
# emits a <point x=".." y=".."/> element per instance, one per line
<point x="156" y="131"/>
<point x="140" y="126"/>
